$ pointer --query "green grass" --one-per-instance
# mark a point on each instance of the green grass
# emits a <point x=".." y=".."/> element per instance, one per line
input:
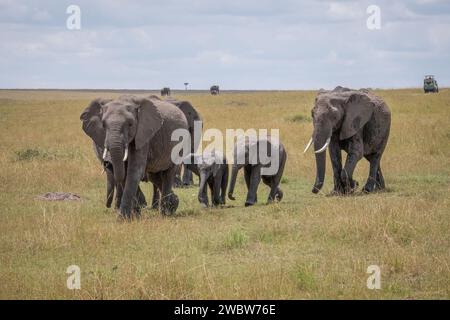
<point x="308" y="246"/>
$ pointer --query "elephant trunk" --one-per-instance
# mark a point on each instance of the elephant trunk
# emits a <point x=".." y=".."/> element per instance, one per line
<point x="320" y="171"/>
<point x="117" y="155"/>
<point x="321" y="140"/>
<point x="233" y="181"/>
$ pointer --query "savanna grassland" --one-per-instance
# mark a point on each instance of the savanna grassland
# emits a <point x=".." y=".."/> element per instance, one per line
<point x="307" y="246"/>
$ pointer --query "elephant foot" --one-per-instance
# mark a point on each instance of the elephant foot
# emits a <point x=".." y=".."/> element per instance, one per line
<point x="372" y="186"/>
<point x="142" y="203"/>
<point x="169" y="204"/>
<point x="279" y="195"/>
<point x="187" y="184"/>
<point x="350" y="186"/>
<point x="216" y="202"/>
<point x="316" y="188"/>
<point x="155" y="205"/>
<point x="339" y="187"/>
<point x="177" y="183"/>
<point x="248" y="204"/>
<point x="203" y="205"/>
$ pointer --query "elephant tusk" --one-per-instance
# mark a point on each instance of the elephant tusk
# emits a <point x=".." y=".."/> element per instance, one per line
<point x="308" y="145"/>
<point x="103" y="170"/>
<point x="104" y="154"/>
<point x="324" y="146"/>
<point x="125" y="157"/>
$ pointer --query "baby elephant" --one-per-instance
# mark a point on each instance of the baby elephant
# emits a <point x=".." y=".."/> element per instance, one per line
<point x="212" y="169"/>
<point x="267" y="164"/>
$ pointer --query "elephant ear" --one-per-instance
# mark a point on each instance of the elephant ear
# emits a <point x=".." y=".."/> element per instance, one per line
<point x="149" y="122"/>
<point x="358" y="111"/>
<point x="190" y="113"/>
<point x="92" y="121"/>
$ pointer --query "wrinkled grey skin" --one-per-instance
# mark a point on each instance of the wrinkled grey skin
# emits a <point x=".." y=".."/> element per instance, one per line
<point x="144" y="127"/>
<point x="253" y="176"/>
<point x="357" y="122"/>
<point x="111" y="183"/>
<point x="191" y="115"/>
<point x="212" y="170"/>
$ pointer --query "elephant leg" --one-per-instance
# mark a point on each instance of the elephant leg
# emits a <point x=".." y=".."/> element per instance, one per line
<point x="119" y="193"/>
<point x="109" y="188"/>
<point x="156" y="199"/>
<point x="224" y="184"/>
<point x="140" y="197"/>
<point x="269" y="181"/>
<point x="247" y="174"/>
<point x="371" y="183"/>
<point x="380" y="179"/>
<point x="187" y="176"/>
<point x="134" y="174"/>
<point x="169" y="200"/>
<point x="275" y="191"/>
<point x="247" y="178"/>
<point x="355" y="153"/>
<point x="336" y="162"/>
<point x="255" y="179"/>
<point x="177" y="181"/>
<point x="216" y="185"/>
<point x="203" y="190"/>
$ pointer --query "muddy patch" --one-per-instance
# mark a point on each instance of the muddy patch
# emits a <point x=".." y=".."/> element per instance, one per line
<point x="59" y="196"/>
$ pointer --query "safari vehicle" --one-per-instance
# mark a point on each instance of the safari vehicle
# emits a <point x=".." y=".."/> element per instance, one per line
<point x="430" y="84"/>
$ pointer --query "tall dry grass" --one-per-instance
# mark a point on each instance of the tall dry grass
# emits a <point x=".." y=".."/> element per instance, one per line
<point x="308" y="246"/>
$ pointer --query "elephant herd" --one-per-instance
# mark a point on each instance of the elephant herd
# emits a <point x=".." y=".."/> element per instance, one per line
<point x="132" y="138"/>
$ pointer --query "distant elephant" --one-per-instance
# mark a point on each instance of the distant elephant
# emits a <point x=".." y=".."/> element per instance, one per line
<point x="253" y="169"/>
<point x="356" y="121"/>
<point x="212" y="169"/>
<point x="137" y="131"/>
<point x="191" y="115"/>
<point x="214" y="90"/>
<point x="110" y="181"/>
<point x="165" y="91"/>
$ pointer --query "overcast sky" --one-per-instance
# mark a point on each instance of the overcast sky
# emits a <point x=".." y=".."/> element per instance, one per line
<point x="244" y="44"/>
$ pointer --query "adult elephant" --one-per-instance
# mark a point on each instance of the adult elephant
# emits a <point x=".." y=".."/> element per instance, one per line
<point x="137" y="131"/>
<point x="192" y="115"/>
<point x="165" y="91"/>
<point x="214" y="90"/>
<point x="356" y="121"/>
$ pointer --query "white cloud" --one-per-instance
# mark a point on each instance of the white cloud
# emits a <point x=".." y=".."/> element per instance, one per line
<point x="237" y="44"/>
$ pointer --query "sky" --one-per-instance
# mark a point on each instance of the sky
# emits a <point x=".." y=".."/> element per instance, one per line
<point x="240" y="45"/>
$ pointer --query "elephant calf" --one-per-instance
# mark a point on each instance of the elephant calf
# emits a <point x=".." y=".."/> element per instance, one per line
<point x="212" y="169"/>
<point x="247" y="156"/>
